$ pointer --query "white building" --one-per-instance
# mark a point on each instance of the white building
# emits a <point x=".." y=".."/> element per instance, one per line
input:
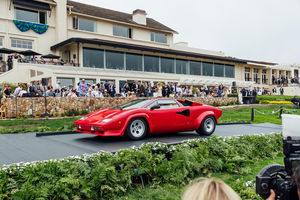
<point x="105" y="44"/>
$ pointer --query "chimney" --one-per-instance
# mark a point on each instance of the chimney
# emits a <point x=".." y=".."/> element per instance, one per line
<point x="139" y="16"/>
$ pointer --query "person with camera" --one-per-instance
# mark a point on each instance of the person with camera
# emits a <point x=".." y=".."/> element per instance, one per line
<point x="296" y="179"/>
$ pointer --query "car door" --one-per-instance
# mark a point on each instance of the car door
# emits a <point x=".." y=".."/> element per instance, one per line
<point x="170" y="117"/>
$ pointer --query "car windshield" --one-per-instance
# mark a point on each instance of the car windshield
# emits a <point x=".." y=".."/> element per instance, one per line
<point x="138" y="103"/>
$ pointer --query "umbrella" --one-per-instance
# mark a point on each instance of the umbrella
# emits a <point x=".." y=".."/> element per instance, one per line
<point x="50" y="56"/>
<point x="29" y="53"/>
<point x="7" y="51"/>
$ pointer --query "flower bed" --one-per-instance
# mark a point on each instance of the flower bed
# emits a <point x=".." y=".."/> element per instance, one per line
<point x="107" y="176"/>
<point x="274" y="102"/>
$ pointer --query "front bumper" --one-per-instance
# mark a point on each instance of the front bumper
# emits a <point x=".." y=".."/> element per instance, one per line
<point x="96" y="130"/>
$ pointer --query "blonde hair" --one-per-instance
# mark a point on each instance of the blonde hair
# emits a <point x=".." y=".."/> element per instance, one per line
<point x="210" y="189"/>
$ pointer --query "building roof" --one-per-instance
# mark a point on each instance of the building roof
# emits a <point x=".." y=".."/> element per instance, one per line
<point x="146" y="48"/>
<point x="114" y="15"/>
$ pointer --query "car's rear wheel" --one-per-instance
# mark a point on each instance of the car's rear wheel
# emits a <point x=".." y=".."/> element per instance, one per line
<point x="137" y="129"/>
<point x="207" y="127"/>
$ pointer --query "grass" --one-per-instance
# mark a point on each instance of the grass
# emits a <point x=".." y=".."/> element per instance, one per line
<point x="270" y="115"/>
<point x="36" y="125"/>
<point x="174" y="192"/>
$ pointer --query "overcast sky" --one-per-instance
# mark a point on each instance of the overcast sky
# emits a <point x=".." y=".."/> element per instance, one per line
<point x="266" y="30"/>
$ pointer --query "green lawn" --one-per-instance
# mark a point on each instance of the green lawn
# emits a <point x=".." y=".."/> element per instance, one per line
<point x="174" y="192"/>
<point x="36" y="125"/>
<point x="263" y="113"/>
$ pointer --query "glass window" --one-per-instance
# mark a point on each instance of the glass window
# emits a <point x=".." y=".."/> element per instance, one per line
<point x="88" y="81"/>
<point x="122" y="31"/>
<point x="167" y="103"/>
<point x="93" y="58"/>
<point x="114" y="60"/>
<point x="43" y="18"/>
<point x="207" y="69"/>
<point x="229" y="71"/>
<point x="195" y="68"/>
<point x="26" y="15"/>
<point x="65" y="82"/>
<point x="181" y="66"/>
<point x="21" y="44"/>
<point x="151" y="64"/>
<point x="1" y="41"/>
<point x="138" y="103"/>
<point x="158" y="37"/>
<point x="87" y="25"/>
<point x="219" y="70"/>
<point x="134" y="62"/>
<point x="167" y="65"/>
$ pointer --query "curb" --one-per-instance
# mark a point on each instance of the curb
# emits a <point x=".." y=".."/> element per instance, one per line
<point x="233" y="123"/>
<point x="55" y="133"/>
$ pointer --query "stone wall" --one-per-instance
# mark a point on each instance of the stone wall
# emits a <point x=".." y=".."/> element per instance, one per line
<point x="60" y="105"/>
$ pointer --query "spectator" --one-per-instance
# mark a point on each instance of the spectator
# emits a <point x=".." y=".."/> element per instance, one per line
<point x="7" y="92"/>
<point x="281" y="90"/>
<point x="37" y="89"/>
<point x="210" y="189"/>
<point x="17" y="90"/>
<point x="72" y="93"/>
<point x="82" y="92"/>
<point x="57" y="93"/>
<point x="296" y="101"/>
<point x="64" y="92"/>
<point x="50" y="92"/>
<point x="112" y="89"/>
<point x="82" y="85"/>
<point x="98" y="93"/>
<point x="22" y="93"/>
<point x="58" y="86"/>
<point x="9" y="62"/>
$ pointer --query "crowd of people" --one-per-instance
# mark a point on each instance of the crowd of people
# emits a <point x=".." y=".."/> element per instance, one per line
<point x="31" y="59"/>
<point x="282" y="80"/>
<point x="108" y="89"/>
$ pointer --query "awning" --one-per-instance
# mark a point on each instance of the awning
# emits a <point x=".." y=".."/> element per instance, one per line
<point x="32" y="4"/>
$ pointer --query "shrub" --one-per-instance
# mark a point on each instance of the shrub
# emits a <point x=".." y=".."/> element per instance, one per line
<point x="233" y="95"/>
<point x="107" y="176"/>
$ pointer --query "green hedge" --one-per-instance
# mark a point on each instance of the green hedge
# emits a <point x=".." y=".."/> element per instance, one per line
<point x="107" y="176"/>
<point x="274" y="98"/>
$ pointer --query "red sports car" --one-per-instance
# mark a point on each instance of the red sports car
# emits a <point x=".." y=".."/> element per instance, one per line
<point x="141" y="116"/>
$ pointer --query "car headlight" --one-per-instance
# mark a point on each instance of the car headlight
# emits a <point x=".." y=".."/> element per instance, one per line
<point x="106" y="120"/>
<point x="83" y="118"/>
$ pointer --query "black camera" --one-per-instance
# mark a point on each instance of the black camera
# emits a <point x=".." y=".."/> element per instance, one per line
<point x="278" y="177"/>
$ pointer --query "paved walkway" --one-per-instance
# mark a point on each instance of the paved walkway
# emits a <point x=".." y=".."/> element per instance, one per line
<point x="26" y="147"/>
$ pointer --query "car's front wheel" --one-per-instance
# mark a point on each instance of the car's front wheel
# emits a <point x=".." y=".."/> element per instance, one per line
<point x="207" y="127"/>
<point x="137" y="129"/>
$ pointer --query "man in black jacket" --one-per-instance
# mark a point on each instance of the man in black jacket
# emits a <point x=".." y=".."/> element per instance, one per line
<point x="296" y="101"/>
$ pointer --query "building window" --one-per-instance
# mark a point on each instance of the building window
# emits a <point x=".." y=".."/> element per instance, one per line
<point x="207" y="69"/>
<point x="114" y="60"/>
<point x="229" y="71"/>
<point x="219" y="70"/>
<point x="195" y="68"/>
<point x="24" y="44"/>
<point x="87" y="25"/>
<point x="1" y="41"/>
<point x="65" y="82"/>
<point x="167" y="65"/>
<point x="151" y="64"/>
<point x="38" y="17"/>
<point x="122" y="31"/>
<point x="88" y="81"/>
<point x="181" y="66"/>
<point x="134" y="62"/>
<point x="93" y="58"/>
<point x="255" y="75"/>
<point x="247" y="74"/>
<point x="158" y="37"/>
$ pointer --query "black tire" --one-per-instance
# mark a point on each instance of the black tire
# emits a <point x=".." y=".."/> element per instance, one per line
<point x="137" y="129"/>
<point x="207" y="127"/>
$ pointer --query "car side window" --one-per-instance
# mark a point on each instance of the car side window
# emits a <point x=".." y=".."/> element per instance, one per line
<point x="152" y="104"/>
<point x="167" y="103"/>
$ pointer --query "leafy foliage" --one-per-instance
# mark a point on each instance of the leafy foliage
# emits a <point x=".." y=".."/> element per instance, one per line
<point x="108" y="176"/>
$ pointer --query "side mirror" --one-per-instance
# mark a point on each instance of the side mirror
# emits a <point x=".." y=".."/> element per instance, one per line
<point x="157" y="106"/>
